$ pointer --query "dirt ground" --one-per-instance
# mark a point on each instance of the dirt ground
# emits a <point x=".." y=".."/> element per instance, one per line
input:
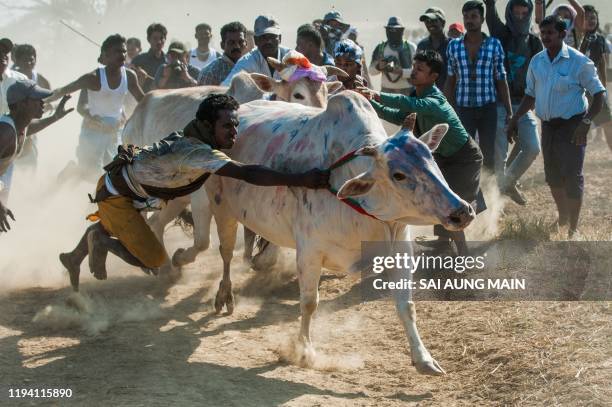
<point x="138" y="343"/>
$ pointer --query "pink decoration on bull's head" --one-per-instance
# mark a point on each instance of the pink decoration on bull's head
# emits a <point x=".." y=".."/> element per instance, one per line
<point x="296" y="66"/>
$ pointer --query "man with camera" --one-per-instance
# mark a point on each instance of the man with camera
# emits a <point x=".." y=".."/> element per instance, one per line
<point x="176" y="73"/>
<point x="393" y="58"/>
<point x="332" y="29"/>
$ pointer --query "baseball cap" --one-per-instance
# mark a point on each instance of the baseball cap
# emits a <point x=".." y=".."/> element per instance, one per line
<point x="457" y="26"/>
<point x="266" y="25"/>
<point x="25" y="89"/>
<point x="433" y="13"/>
<point x="334" y="15"/>
<point x="6" y="45"/>
<point x="177" y="46"/>
<point x="394" y="22"/>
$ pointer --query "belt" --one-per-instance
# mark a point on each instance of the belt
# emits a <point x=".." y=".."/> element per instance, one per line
<point x="561" y="120"/>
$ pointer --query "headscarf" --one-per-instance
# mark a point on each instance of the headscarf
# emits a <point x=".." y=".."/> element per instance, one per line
<point x="572" y="12"/>
<point x="519" y="27"/>
<point x="348" y="48"/>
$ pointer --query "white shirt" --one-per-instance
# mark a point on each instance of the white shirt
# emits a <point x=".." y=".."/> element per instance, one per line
<point x="254" y="61"/>
<point x="195" y="61"/>
<point x="558" y="86"/>
<point x="384" y="81"/>
<point x="9" y="77"/>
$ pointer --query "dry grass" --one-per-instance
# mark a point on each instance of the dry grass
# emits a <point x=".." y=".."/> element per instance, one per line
<point x="527" y="228"/>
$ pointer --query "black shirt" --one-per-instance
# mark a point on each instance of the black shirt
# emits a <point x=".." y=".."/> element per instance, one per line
<point x="426" y="44"/>
<point x="149" y="63"/>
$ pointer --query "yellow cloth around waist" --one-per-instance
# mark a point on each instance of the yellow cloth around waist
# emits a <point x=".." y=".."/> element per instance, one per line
<point x="121" y="220"/>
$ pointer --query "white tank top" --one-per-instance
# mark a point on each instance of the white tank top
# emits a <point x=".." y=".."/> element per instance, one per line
<point x="6" y="162"/>
<point x="195" y="61"/>
<point x="107" y="102"/>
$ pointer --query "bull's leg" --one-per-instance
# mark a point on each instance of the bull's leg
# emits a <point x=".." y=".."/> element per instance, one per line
<point x="249" y="243"/>
<point x="160" y="219"/>
<point x="267" y="256"/>
<point x="227" y="228"/>
<point x="421" y="358"/>
<point x="202" y="215"/>
<point x="309" y="272"/>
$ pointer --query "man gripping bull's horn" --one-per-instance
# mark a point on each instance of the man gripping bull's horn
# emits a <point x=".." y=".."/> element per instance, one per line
<point x="140" y="178"/>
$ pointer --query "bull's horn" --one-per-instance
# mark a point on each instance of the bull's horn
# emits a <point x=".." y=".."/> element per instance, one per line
<point x="371" y="151"/>
<point x="409" y="122"/>
<point x="276" y="64"/>
<point x="334" y="70"/>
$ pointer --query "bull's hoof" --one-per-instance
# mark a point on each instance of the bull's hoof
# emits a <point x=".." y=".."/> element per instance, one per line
<point x="224" y="297"/>
<point x="177" y="260"/>
<point x="169" y="275"/>
<point x="307" y="356"/>
<point x="429" y="367"/>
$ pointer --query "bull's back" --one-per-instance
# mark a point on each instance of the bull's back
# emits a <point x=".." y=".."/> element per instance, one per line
<point x="161" y="112"/>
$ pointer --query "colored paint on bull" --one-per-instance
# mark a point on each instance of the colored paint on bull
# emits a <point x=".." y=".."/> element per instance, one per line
<point x="275" y="144"/>
<point x="396" y="142"/>
<point x="301" y="144"/>
<point x="293" y="134"/>
<point x="276" y="127"/>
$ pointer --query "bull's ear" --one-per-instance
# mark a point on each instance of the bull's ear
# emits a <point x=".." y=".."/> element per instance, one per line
<point x="276" y="64"/>
<point x="357" y="186"/>
<point x="434" y="136"/>
<point x="334" y="70"/>
<point x="263" y="82"/>
<point x="332" y="87"/>
<point x="409" y="122"/>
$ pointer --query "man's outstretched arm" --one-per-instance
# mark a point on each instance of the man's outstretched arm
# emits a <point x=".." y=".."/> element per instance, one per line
<point x="61" y="111"/>
<point x="264" y="176"/>
<point x="80" y="83"/>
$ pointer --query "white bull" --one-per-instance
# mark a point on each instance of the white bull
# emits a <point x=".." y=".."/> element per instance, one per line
<point x="395" y="180"/>
<point x="163" y="111"/>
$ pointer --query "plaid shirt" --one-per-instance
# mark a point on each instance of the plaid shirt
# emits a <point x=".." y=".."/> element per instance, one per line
<point x="476" y="81"/>
<point x="216" y="72"/>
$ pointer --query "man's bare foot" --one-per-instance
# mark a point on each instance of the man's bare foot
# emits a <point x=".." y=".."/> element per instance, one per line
<point x="74" y="270"/>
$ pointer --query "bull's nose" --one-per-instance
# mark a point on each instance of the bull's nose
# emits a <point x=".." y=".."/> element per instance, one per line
<point x="462" y="216"/>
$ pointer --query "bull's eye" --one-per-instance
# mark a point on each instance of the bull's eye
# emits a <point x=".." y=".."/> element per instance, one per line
<point x="298" y="96"/>
<point x="398" y="176"/>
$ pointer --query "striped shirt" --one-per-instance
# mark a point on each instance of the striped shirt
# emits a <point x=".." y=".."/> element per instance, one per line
<point x="476" y="81"/>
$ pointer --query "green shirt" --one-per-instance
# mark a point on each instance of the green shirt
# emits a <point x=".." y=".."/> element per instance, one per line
<point x="431" y="108"/>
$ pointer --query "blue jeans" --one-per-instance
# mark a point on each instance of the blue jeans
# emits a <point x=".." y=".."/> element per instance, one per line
<point x="481" y="120"/>
<point x="528" y="145"/>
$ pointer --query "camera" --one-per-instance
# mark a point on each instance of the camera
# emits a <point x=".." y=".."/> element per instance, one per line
<point x="176" y="67"/>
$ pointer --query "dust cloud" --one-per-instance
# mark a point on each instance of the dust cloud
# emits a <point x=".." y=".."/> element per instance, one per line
<point x="94" y="314"/>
